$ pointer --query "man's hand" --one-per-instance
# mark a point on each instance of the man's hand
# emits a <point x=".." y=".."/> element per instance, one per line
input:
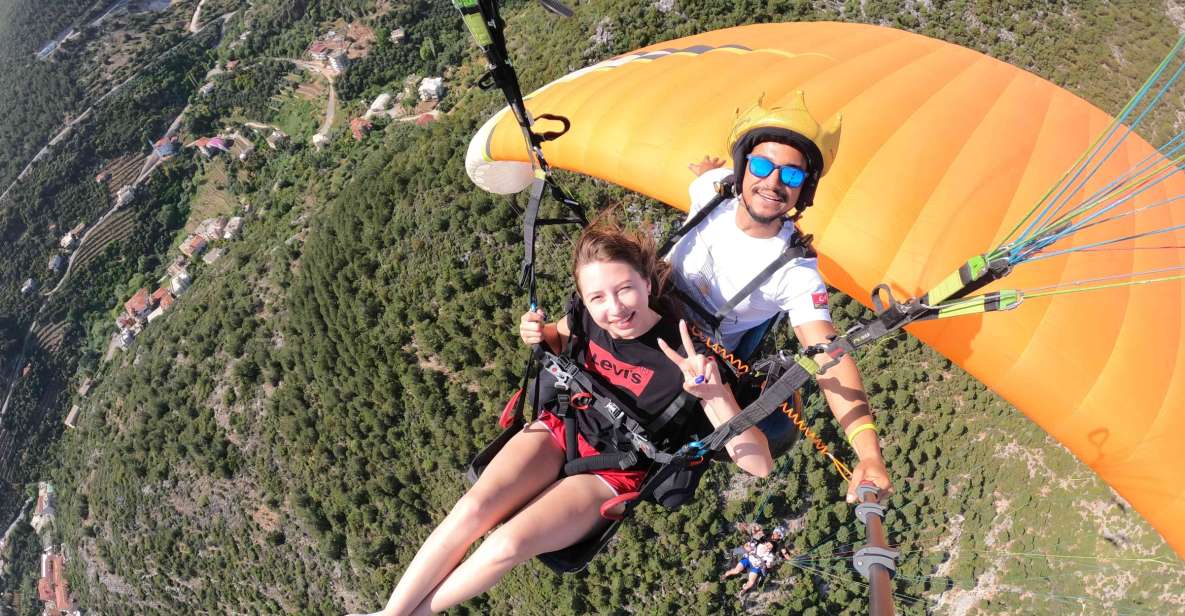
<point x="872" y="470"/>
<point x="707" y="164"/>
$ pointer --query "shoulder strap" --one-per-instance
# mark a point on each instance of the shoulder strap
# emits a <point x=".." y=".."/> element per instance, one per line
<point x="725" y="189"/>
<point x="796" y="248"/>
<point x="577" y="337"/>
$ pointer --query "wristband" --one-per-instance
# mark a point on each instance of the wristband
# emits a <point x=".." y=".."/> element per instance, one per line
<point x="868" y="426"/>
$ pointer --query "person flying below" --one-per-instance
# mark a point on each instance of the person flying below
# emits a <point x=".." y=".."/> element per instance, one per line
<point x="779" y="156"/>
<point x="758" y="558"/>
<point x="627" y="338"/>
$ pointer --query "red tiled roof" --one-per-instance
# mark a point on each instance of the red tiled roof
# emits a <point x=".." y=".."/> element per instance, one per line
<point x="53" y="587"/>
<point x="138" y="303"/>
<point x="164" y="297"/>
<point x="61" y="592"/>
<point x="426" y="118"/>
<point x="193" y="245"/>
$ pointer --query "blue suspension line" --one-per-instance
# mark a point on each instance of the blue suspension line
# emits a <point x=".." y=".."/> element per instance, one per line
<point x="1129" y="130"/>
<point x="1128" y="109"/>
<point x="1029" y="258"/>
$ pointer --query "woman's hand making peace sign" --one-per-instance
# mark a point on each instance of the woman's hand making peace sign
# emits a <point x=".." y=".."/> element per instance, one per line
<point x="701" y="376"/>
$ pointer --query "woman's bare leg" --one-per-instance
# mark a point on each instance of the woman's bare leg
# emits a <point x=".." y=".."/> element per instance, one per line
<point x="734" y="571"/>
<point x="528" y="464"/>
<point x="562" y="515"/>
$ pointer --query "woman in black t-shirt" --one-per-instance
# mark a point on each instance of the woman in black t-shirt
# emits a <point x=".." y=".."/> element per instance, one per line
<point x="628" y="343"/>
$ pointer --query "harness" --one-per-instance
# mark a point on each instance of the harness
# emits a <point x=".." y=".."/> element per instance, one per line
<point x="631" y="436"/>
<point x="798" y="247"/>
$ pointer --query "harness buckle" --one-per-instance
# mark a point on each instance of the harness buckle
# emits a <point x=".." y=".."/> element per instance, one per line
<point x="562" y="374"/>
<point x="615" y="411"/>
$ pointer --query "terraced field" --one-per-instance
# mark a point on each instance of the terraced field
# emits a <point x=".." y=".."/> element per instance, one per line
<point x="311" y="91"/>
<point x="116" y="227"/>
<point x="212" y="198"/>
<point x="50" y="335"/>
<point x="123" y="170"/>
<point x="6" y="467"/>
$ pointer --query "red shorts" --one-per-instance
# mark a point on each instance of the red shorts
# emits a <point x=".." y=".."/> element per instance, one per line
<point x="620" y="481"/>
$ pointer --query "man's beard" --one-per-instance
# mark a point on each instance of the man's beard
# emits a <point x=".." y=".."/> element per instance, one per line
<point x="765" y="220"/>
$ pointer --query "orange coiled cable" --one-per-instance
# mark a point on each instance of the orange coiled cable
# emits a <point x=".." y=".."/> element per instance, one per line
<point x="794" y="412"/>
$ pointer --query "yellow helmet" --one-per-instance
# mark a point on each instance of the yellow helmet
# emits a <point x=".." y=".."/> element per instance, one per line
<point x="793" y="125"/>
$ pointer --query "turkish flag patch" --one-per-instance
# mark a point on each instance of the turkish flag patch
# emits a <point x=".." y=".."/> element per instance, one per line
<point x="819" y="299"/>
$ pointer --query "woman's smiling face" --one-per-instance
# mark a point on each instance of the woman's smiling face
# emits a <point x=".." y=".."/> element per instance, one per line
<point x="617" y="298"/>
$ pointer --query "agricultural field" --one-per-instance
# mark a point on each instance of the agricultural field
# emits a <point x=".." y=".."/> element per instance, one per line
<point x="297" y="116"/>
<point x="49" y="336"/>
<point x="311" y="90"/>
<point x="118" y="44"/>
<point x="116" y="227"/>
<point x="123" y="171"/>
<point x="212" y="198"/>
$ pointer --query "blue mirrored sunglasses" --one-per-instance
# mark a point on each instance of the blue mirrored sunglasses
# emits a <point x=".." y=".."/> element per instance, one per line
<point x="790" y="175"/>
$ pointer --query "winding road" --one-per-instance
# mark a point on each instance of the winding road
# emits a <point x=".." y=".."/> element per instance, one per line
<point x="61" y="134"/>
<point x="149" y="165"/>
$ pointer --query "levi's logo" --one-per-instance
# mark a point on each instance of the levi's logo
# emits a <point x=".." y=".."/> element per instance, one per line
<point x="626" y="376"/>
<point x="819" y="299"/>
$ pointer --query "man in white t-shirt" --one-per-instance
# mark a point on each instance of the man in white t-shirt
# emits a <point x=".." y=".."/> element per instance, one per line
<point x="779" y="156"/>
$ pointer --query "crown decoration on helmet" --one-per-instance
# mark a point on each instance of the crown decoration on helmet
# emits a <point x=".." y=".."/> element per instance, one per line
<point x="793" y="125"/>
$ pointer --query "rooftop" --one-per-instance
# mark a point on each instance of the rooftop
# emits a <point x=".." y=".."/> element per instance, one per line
<point x="138" y="303"/>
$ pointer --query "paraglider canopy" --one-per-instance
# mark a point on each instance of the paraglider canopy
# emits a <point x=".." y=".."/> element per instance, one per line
<point x="945" y="153"/>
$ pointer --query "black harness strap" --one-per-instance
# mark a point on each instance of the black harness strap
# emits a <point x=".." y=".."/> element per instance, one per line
<point x="765" y="405"/>
<point x="619" y="460"/>
<point x="724" y="191"/>
<point x="793" y="250"/>
<point x="530" y="219"/>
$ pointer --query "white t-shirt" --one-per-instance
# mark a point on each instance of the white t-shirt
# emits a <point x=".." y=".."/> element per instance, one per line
<point x="715" y="260"/>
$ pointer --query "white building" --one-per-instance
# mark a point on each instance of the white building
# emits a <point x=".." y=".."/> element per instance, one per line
<point x="380" y="103"/>
<point x="233" y="227"/>
<point x="124" y="196"/>
<point x="180" y="283"/>
<point x="338" y="61"/>
<point x="214" y="255"/>
<point x="45" y="511"/>
<point x="431" y="88"/>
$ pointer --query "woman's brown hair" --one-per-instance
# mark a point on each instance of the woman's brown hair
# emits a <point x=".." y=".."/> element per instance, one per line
<point x="604" y="241"/>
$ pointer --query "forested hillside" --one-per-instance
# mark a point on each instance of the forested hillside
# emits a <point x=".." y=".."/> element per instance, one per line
<point x="283" y="439"/>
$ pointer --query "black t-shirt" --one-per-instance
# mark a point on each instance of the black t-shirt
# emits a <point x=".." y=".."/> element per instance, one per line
<point x="641" y="376"/>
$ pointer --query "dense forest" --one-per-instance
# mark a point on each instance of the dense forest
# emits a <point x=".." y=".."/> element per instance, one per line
<point x="284" y="438"/>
